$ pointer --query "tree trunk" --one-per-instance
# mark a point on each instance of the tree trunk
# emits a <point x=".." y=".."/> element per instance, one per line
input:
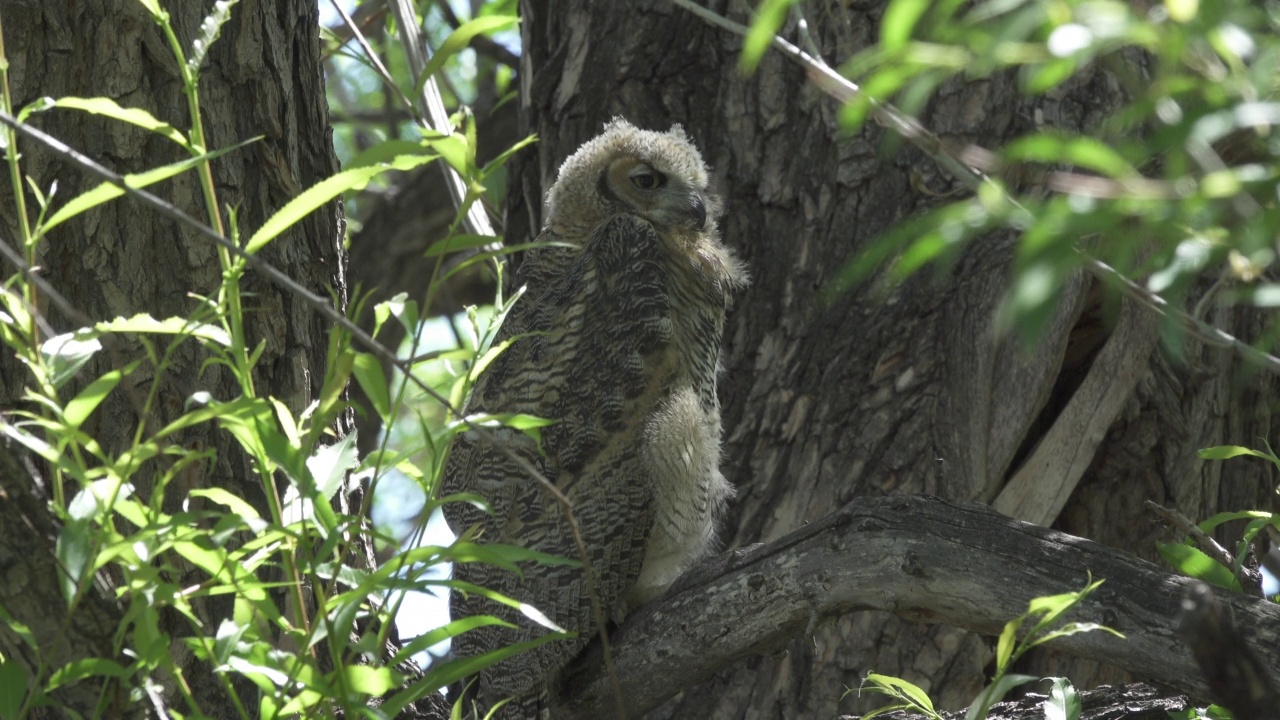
<point x="262" y="77"/>
<point x="902" y="388"/>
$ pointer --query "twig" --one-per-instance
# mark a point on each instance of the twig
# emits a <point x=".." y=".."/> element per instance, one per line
<point x="910" y="129"/>
<point x="1251" y="580"/>
<point x="365" y="15"/>
<point x="387" y="81"/>
<point x="431" y="106"/>
<point x="1183" y="524"/>
<point x="56" y="297"/>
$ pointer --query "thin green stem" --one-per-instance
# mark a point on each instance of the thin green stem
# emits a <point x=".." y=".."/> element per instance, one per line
<point x="29" y="291"/>
<point x="231" y="270"/>
<point x="15" y="174"/>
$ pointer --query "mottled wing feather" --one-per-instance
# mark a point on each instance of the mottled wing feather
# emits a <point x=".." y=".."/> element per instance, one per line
<point x="594" y="354"/>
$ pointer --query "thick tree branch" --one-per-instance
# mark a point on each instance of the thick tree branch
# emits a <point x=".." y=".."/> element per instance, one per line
<point x="922" y="559"/>
<point x="969" y="168"/>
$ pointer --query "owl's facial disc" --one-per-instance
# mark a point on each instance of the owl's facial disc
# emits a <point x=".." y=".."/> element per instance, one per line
<point x="659" y="197"/>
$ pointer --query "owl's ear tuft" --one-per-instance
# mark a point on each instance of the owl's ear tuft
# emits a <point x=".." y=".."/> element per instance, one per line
<point x="618" y="123"/>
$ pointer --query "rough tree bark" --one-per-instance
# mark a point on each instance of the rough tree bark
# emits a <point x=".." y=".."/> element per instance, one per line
<point x="915" y="393"/>
<point x="262" y="78"/>
<point x="925" y="560"/>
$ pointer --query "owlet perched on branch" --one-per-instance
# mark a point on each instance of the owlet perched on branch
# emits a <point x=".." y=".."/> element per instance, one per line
<point x="617" y="339"/>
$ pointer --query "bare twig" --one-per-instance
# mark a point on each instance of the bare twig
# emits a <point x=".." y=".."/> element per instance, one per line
<point x="56" y="297"/>
<point x="1251" y="579"/>
<point x="908" y="128"/>
<point x="365" y="15"/>
<point x="387" y="81"/>
<point x="431" y="106"/>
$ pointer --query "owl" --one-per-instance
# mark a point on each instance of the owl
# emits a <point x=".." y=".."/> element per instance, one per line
<point x="617" y="340"/>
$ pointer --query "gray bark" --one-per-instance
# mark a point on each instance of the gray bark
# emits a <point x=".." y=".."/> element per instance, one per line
<point x="928" y="563"/>
<point x="909" y="391"/>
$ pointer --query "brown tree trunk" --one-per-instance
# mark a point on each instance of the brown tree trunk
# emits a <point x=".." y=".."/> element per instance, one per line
<point x="824" y="402"/>
<point x="263" y="78"/>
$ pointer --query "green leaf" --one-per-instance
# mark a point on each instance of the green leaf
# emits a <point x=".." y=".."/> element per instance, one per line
<point x="1193" y="563"/>
<point x="1051" y="607"/>
<point x="1032" y="300"/>
<point x="227" y="637"/>
<point x="454" y="670"/>
<point x="1213" y="522"/>
<point x="1182" y="11"/>
<point x="913" y="692"/>
<point x="458" y="41"/>
<point x="212" y="409"/>
<point x="323" y="192"/>
<point x="954" y="224"/>
<point x="1043" y="77"/>
<point x="94" y="496"/>
<point x="153" y="7"/>
<point x="87" y="667"/>
<point x="1063" y="702"/>
<point x="518" y="421"/>
<point x="440" y="634"/>
<point x="454" y="150"/>
<point x="288" y="425"/>
<point x="505" y="155"/>
<point x="144" y="323"/>
<point x="768" y="21"/>
<point x="454" y="243"/>
<point x="13" y="688"/>
<point x="886" y="710"/>
<point x="82" y="405"/>
<point x="1008" y="639"/>
<point x="899" y="21"/>
<point x="106" y="191"/>
<point x="42" y="449"/>
<point x="994" y="693"/>
<point x="73" y="549"/>
<point x="232" y="502"/>
<point x="1074" y="628"/>
<point x="367" y="370"/>
<point x="387" y="151"/>
<point x="503" y="556"/>
<point x="330" y="463"/>
<point x="107" y="107"/>
<point x="65" y="354"/>
<point x="373" y="681"/>
<point x="1059" y="148"/>
<point x="1226" y="452"/>
<point x="492" y="354"/>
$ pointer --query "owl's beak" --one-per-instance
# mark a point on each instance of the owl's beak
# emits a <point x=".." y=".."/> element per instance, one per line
<point x="698" y="211"/>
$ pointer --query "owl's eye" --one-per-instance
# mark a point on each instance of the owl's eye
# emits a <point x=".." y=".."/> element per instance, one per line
<point x="648" y="180"/>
